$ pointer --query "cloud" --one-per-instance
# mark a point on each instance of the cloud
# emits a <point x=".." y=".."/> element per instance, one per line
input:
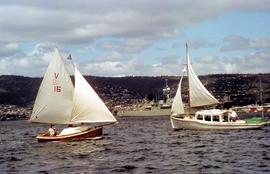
<point x="132" y="66"/>
<point x="113" y="57"/>
<point x="252" y="62"/>
<point x="241" y="43"/>
<point x="78" y="22"/>
<point x="132" y="46"/>
<point x="33" y="63"/>
<point x="121" y="67"/>
<point x="118" y="31"/>
<point x="195" y="44"/>
<point x="110" y="67"/>
<point x="9" y="49"/>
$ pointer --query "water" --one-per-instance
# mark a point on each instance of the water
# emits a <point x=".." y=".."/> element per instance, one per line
<point x="136" y="145"/>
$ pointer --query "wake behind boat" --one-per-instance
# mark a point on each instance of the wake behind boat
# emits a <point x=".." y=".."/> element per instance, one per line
<point x="59" y="102"/>
<point x="199" y="96"/>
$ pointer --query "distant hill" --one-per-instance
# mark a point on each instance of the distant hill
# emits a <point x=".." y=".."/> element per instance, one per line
<point x="240" y="89"/>
<point x="18" y="90"/>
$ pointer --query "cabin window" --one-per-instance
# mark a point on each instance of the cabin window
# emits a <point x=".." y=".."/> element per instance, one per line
<point x="207" y="118"/>
<point x="216" y="118"/>
<point x="200" y="117"/>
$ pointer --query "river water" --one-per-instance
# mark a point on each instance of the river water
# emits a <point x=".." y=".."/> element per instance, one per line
<point x="136" y="145"/>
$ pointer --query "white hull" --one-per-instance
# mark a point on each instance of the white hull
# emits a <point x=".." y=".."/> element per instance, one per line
<point x="192" y="124"/>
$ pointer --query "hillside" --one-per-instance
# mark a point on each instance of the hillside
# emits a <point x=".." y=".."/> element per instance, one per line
<point x="242" y="89"/>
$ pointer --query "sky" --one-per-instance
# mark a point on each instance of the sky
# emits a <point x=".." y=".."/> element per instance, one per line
<point x="135" y="38"/>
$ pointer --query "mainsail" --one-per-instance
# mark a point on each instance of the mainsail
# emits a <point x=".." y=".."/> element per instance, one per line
<point x="199" y="95"/>
<point x="53" y="103"/>
<point x="87" y="106"/>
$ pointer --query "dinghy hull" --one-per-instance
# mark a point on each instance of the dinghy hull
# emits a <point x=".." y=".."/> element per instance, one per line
<point x="192" y="124"/>
<point x="91" y="133"/>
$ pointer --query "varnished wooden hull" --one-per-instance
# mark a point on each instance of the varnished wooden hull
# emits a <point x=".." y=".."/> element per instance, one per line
<point x="91" y="133"/>
<point x="191" y="124"/>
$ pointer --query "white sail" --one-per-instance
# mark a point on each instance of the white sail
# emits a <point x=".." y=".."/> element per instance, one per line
<point x="87" y="106"/>
<point x="199" y="95"/>
<point x="177" y="105"/>
<point x="53" y="103"/>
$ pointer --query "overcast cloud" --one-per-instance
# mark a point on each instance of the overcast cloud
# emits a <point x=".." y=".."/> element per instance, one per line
<point x="240" y="43"/>
<point x="122" y="32"/>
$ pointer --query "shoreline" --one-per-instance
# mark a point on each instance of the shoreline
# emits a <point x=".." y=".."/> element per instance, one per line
<point x="13" y="112"/>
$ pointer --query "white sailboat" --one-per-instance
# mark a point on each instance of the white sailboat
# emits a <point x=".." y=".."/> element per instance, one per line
<point x="199" y="96"/>
<point x="59" y="102"/>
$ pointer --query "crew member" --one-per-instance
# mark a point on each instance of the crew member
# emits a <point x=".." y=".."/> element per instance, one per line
<point x="52" y="131"/>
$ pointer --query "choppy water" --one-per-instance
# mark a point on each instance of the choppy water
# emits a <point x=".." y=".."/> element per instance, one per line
<point x="136" y="145"/>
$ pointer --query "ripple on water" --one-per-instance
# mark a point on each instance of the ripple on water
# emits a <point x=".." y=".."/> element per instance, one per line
<point x="13" y="158"/>
<point x="136" y="145"/>
<point x="125" y="168"/>
<point x="141" y="158"/>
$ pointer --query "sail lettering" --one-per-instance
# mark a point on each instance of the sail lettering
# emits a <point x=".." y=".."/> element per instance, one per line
<point x="56" y="75"/>
<point x="56" y="86"/>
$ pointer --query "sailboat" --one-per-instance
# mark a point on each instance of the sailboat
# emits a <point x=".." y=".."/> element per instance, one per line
<point x="198" y="96"/>
<point x="58" y="102"/>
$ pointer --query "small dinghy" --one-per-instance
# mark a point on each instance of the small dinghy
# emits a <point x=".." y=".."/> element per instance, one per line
<point x="58" y="102"/>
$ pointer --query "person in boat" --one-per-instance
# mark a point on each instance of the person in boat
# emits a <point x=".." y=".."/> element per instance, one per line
<point x="52" y="131"/>
<point x="233" y="115"/>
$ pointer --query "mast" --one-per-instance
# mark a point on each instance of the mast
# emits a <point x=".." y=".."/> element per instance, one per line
<point x="166" y="91"/>
<point x="72" y="63"/>
<point x="187" y="59"/>
<point x="71" y="60"/>
<point x="261" y="98"/>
